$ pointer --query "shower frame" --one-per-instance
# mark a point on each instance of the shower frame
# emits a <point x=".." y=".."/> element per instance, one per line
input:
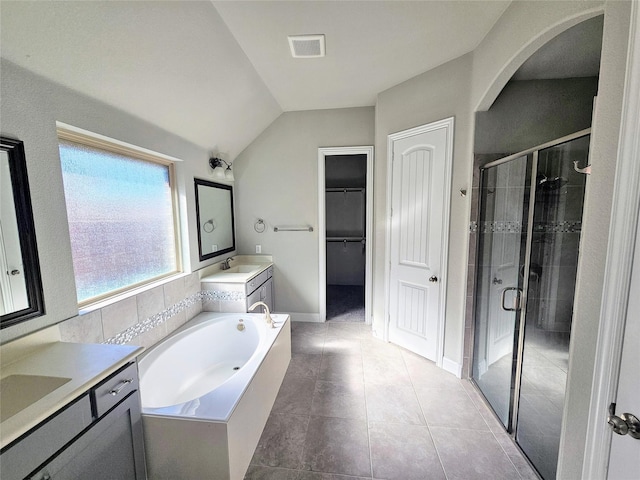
<point x="519" y="336"/>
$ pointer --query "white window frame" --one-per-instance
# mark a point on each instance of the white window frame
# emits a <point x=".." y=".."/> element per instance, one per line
<point x="84" y="137"/>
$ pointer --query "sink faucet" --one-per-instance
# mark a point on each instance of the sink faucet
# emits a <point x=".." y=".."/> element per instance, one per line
<point x="267" y="315"/>
<point x="225" y="265"/>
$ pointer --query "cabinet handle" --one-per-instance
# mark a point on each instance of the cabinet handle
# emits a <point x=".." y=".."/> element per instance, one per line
<point x="118" y="389"/>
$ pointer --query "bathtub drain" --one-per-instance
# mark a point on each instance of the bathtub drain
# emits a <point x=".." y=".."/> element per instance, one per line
<point x="236" y="368"/>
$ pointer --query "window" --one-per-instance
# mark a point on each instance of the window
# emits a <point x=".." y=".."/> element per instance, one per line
<point x="122" y="215"/>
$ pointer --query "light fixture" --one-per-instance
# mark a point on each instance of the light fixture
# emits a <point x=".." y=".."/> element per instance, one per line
<point x="219" y="171"/>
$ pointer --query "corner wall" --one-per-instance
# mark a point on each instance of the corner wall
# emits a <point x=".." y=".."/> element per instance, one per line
<point x="277" y="180"/>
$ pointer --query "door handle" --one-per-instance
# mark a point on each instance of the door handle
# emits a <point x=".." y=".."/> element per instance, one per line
<point x="516" y="300"/>
<point x="433" y="279"/>
<point x="624" y="424"/>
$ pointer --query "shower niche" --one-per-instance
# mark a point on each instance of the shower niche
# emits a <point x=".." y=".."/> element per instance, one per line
<point x="528" y="238"/>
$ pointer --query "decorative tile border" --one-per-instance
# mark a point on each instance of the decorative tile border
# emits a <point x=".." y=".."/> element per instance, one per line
<point x="516" y="227"/>
<point x="559" y="227"/>
<point x="211" y="295"/>
<point x="155" y="320"/>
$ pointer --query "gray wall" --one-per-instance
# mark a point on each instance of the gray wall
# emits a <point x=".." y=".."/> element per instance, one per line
<point x="277" y="180"/>
<point x="434" y="95"/>
<point x="531" y="112"/>
<point x="30" y="107"/>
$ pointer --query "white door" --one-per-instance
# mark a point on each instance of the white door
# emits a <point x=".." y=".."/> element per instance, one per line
<point x="625" y="450"/>
<point x="420" y="191"/>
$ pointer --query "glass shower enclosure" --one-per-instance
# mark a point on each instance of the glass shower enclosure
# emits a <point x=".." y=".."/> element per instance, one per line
<point x="528" y="239"/>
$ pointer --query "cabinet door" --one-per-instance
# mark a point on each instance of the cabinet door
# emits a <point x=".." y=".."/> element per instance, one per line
<point x="254" y="297"/>
<point x="111" y="449"/>
<point x="268" y="294"/>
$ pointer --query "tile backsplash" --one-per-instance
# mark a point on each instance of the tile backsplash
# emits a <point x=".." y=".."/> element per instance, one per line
<point x="143" y="319"/>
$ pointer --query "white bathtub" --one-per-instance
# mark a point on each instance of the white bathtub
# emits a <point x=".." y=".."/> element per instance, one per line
<point x="207" y="391"/>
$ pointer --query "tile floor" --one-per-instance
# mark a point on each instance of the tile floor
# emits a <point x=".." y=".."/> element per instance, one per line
<point x="352" y="407"/>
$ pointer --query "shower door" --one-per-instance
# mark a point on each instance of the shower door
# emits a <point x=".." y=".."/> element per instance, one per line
<point x="504" y="196"/>
<point x="528" y="239"/>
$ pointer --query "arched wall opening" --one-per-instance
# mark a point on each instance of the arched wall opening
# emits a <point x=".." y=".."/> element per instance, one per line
<point x="549" y="95"/>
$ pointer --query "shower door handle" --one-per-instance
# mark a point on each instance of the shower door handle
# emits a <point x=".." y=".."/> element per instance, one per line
<point x="516" y="299"/>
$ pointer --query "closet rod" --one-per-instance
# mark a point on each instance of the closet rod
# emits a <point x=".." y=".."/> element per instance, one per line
<point x="346" y="239"/>
<point x="350" y="189"/>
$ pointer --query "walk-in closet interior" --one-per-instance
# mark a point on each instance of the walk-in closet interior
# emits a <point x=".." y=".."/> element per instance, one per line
<point x="527" y="230"/>
<point x="345" y="210"/>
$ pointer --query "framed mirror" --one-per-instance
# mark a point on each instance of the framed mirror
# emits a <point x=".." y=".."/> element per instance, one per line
<point x="21" y="295"/>
<point x="214" y="214"/>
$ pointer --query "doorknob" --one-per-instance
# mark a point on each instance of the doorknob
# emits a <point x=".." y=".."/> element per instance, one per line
<point x="626" y="423"/>
<point x="15" y="272"/>
<point x="433" y="279"/>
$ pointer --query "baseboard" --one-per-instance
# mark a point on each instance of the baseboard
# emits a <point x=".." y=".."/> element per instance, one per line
<point x="452" y="367"/>
<point x="304" y="317"/>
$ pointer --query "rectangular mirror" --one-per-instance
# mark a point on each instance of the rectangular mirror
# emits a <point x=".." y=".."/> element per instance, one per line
<point x="214" y="214"/>
<point x="21" y="295"/>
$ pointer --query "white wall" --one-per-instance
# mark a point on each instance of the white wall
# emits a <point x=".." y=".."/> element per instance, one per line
<point x="29" y="108"/>
<point x="277" y="180"/>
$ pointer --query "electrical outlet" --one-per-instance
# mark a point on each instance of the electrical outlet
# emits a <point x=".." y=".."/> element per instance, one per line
<point x="258" y="248"/>
<point x="214" y="248"/>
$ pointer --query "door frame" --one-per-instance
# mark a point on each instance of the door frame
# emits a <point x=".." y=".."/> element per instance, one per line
<point x="617" y="275"/>
<point x="322" y="228"/>
<point x="448" y="125"/>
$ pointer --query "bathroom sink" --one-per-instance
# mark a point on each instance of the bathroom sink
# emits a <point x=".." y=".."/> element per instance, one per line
<point x="17" y="392"/>
<point x="241" y="269"/>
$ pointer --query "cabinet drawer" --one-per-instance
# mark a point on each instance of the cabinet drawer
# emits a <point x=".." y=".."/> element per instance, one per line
<point x="27" y="454"/>
<point x="114" y="389"/>
<point x="256" y="281"/>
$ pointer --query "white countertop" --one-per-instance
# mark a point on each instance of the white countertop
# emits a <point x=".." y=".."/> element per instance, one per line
<point x="224" y="276"/>
<point x="85" y="364"/>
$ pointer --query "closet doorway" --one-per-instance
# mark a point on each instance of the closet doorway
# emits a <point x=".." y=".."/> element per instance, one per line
<point x="345" y="187"/>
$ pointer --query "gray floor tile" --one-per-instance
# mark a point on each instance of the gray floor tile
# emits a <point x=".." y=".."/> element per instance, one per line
<point x="403" y="452"/>
<point x="394" y="404"/>
<point x="341" y="368"/>
<point x="295" y="395"/>
<point x="385" y="370"/>
<point x="309" y="344"/>
<point x="259" y="472"/>
<point x="337" y="445"/>
<point x="425" y="372"/>
<point x="343" y="400"/>
<point x="472" y="454"/>
<point x="282" y="441"/>
<point x="376" y="347"/>
<point x="304" y="365"/>
<point x="308" y="328"/>
<point x="449" y="407"/>
<point x="327" y="476"/>
<point x="341" y="345"/>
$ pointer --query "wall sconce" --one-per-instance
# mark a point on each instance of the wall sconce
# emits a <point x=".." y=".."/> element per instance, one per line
<point x="219" y="171"/>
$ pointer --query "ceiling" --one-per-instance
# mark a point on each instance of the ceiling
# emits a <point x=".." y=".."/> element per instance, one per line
<point x="217" y="74"/>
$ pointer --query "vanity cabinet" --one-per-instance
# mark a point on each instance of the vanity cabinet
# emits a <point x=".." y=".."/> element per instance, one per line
<point x="98" y="436"/>
<point x="238" y="296"/>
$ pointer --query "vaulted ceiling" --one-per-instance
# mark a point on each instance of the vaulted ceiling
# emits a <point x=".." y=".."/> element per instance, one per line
<point x="218" y="73"/>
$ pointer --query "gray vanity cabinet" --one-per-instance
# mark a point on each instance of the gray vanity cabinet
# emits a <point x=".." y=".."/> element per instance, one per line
<point x="98" y="437"/>
<point x="261" y="289"/>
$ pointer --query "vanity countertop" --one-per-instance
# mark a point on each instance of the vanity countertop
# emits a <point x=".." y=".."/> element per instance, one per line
<point x="238" y="273"/>
<point x="70" y="368"/>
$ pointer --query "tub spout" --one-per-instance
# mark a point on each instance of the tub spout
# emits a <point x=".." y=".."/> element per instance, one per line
<point x="267" y="315"/>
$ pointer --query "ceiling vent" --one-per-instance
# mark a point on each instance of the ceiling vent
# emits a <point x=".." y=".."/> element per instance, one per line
<point x="306" y="46"/>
